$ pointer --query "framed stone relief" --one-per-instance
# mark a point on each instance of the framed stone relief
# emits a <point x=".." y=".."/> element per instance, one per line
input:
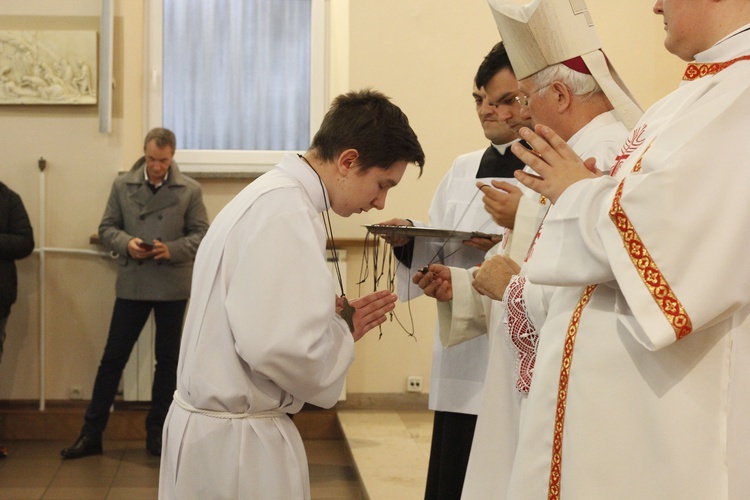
<point x="48" y="67"/>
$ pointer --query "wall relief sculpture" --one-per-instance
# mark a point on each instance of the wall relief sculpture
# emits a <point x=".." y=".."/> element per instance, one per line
<point x="48" y="67"/>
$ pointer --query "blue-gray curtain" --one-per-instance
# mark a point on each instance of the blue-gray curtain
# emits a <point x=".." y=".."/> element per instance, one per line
<point x="236" y="73"/>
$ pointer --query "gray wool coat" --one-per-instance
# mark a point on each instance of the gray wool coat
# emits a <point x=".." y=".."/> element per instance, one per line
<point x="175" y="215"/>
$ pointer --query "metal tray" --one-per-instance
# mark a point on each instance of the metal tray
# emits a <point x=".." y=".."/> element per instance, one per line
<point x="427" y="232"/>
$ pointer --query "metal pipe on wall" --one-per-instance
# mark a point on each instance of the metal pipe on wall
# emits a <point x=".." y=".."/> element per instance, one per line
<point x="106" y="81"/>
<point x="42" y="250"/>
<point x="42" y="164"/>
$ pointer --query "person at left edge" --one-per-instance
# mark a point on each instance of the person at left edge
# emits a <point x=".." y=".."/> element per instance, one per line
<point x="154" y="220"/>
<point x="16" y="242"/>
<point x="262" y="335"/>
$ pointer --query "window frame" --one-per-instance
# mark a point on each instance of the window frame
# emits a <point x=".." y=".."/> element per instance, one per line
<point x="222" y="163"/>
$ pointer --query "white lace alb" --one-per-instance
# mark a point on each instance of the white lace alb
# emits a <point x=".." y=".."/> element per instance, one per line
<point x="523" y="337"/>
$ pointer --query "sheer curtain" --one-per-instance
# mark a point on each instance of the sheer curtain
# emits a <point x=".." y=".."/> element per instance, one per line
<point x="236" y="73"/>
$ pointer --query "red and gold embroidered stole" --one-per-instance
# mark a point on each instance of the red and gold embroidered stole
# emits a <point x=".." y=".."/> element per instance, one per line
<point x="555" y="474"/>
<point x="699" y="70"/>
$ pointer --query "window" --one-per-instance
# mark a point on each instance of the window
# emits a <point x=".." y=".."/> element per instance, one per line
<point x="240" y="82"/>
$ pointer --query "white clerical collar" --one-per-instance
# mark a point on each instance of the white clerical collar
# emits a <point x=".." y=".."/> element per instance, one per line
<point x="501" y="148"/>
<point x="732" y="45"/>
<point x="145" y="176"/>
<point x="308" y="178"/>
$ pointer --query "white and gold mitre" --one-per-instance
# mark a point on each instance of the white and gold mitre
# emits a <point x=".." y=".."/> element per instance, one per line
<point x="540" y="33"/>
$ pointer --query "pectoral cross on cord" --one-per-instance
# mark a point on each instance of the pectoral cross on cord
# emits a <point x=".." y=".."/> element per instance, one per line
<point x="347" y="312"/>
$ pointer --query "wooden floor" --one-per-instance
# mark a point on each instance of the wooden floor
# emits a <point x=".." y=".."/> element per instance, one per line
<point x="35" y="470"/>
<point x="352" y="454"/>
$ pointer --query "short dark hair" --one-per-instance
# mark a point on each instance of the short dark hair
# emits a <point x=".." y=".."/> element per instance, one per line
<point x="369" y="122"/>
<point x="162" y="136"/>
<point x="493" y="63"/>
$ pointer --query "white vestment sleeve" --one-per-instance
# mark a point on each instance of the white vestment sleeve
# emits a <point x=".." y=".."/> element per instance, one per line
<point x="536" y="299"/>
<point x="569" y="230"/>
<point x="283" y="315"/>
<point x="528" y="217"/>
<point x="463" y="318"/>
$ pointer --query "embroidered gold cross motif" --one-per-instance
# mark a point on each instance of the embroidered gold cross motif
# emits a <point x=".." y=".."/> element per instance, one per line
<point x="699" y="70"/>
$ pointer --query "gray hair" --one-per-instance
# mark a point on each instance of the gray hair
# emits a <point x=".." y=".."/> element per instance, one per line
<point x="579" y="84"/>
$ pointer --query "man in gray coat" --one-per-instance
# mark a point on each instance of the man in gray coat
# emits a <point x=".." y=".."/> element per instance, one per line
<point x="154" y="220"/>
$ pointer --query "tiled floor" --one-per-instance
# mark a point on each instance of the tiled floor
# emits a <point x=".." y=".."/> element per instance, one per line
<point x="34" y="470"/>
<point x="391" y="450"/>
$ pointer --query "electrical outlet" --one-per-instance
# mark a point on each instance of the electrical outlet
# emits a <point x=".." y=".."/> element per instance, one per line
<point x="414" y="384"/>
<point x="75" y="392"/>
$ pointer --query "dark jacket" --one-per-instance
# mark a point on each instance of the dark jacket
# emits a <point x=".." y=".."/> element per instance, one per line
<point x="16" y="242"/>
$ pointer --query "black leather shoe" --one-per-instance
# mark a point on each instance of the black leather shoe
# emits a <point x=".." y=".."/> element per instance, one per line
<point x="83" y="447"/>
<point x="153" y="444"/>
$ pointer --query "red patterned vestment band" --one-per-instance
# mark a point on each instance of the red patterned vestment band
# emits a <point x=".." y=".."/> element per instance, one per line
<point x="555" y="473"/>
<point x="699" y="70"/>
<point x="652" y="277"/>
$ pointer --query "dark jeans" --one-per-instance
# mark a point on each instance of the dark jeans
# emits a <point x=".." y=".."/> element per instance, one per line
<point x="452" y="434"/>
<point x="128" y="319"/>
<point x="3" y="324"/>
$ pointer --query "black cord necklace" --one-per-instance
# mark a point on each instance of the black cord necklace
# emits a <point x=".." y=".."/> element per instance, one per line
<point x="348" y="311"/>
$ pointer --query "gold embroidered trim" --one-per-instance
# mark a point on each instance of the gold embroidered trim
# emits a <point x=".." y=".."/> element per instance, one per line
<point x="555" y="473"/>
<point x="652" y="277"/>
<point x="699" y="70"/>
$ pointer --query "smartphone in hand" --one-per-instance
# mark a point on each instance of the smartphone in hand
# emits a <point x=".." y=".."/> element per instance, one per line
<point x="146" y="246"/>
